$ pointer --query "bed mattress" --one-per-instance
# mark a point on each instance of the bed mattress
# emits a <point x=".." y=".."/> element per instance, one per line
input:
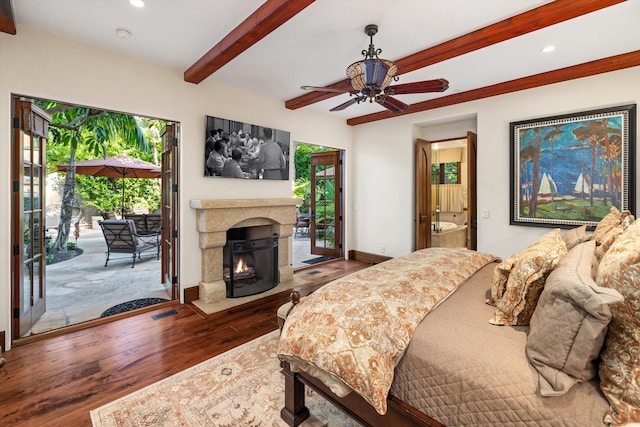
<point x="462" y="371"/>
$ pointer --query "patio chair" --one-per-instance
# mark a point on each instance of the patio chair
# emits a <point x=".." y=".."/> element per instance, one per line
<point x="121" y="237"/>
<point x="153" y="223"/>
<point x="302" y="224"/>
<point x="108" y="215"/>
<point x="146" y="224"/>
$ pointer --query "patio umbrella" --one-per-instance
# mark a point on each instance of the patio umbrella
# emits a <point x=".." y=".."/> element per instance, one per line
<point x="121" y="166"/>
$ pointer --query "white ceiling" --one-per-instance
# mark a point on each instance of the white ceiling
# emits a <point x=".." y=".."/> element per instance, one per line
<point x="316" y="46"/>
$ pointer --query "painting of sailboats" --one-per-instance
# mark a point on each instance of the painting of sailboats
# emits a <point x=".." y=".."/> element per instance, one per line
<point x="569" y="170"/>
<point x="584" y="187"/>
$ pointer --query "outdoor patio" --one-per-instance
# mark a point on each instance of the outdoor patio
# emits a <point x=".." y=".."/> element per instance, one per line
<point x="82" y="288"/>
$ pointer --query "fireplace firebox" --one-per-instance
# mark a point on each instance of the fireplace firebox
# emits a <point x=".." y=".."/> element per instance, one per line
<point x="250" y="265"/>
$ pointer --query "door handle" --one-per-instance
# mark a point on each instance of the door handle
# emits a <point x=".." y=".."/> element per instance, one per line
<point x="423" y="218"/>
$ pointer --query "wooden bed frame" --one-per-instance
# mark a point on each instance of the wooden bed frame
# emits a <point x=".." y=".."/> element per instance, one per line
<point x="295" y="412"/>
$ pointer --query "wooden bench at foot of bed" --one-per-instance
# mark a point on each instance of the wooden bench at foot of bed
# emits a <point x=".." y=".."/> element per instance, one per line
<point x="295" y="411"/>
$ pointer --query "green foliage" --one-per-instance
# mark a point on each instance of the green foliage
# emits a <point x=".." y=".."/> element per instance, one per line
<point x="450" y="173"/>
<point x="302" y="162"/>
<point x="80" y="133"/>
<point x="106" y="134"/>
<point x="302" y="190"/>
<point x="105" y="194"/>
<point x="302" y="159"/>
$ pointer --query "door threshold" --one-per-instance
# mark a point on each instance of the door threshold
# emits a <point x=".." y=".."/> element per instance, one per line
<point x="89" y="324"/>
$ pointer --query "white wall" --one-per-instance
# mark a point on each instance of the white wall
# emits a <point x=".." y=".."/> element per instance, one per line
<point x="379" y="186"/>
<point x="44" y="66"/>
<point x="383" y="157"/>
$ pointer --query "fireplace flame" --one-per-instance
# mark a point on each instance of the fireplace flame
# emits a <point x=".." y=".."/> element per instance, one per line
<point x="241" y="266"/>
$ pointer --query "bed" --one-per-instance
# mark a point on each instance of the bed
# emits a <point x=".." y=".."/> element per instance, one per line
<point x="469" y="361"/>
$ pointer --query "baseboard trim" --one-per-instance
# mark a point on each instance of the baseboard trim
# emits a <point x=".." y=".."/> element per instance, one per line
<point x="191" y="294"/>
<point x="368" y="257"/>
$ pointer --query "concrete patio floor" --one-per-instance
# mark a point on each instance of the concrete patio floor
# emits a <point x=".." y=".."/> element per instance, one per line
<point x="82" y="288"/>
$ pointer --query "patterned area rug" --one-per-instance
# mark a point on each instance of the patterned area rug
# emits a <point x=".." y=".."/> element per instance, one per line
<point x="242" y="387"/>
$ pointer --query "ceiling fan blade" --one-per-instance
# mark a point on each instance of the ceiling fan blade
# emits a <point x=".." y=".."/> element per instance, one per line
<point x="438" y="85"/>
<point x="392" y="104"/>
<point x="323" y="89"/>
<point x="344" y="105"/>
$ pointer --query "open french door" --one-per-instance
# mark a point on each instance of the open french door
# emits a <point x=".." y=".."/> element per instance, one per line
<point x="326" y="204"/>
<point x="170" y="206"/>
<point x="31" y="130"/>
<point x="472" y="192"/>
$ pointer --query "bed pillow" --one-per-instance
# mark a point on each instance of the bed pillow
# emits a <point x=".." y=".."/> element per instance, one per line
<point x="500" y="278"/>
<point x="620" y="358"/>
<point x="574" y="236"/>
<point x="527" y="278"/>
<point x="610" y="220"/>
<point x="569" y="324"/>
<point x="608" y="229"/>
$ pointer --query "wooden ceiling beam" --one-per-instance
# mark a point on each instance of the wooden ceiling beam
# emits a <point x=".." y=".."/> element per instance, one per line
<point x="605" y="65"/>
<point x="7" y="22"/>
<point x="546" y="15"/>
<point x="259" y="24"/>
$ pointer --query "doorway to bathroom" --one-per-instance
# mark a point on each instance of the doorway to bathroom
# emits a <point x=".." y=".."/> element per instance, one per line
<point x="446" y="206"/>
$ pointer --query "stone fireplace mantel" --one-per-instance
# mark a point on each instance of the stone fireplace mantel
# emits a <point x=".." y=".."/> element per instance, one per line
<point x="215" y="217"/>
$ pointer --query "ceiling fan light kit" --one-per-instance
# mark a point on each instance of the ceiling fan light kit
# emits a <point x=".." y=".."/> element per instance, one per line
<point x="371" y="79"/>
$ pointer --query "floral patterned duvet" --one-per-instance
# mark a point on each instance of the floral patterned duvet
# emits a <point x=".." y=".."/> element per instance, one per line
<point x="353" y="331"/>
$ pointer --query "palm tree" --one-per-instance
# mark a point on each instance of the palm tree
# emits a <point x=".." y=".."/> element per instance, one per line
<point x="72" y="126"/>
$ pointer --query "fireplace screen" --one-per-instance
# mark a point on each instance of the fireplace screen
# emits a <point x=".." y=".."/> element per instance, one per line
<point x="250" y="266"/>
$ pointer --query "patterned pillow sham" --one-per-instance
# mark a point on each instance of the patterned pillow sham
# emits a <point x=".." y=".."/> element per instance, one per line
<point x="611" y="220"/>
<point x="569" y="324"/>
<point x="500" y="278"/>
<point x="527" y="279"/>
<point x="610" y="227"/>
<point x="620" y="358"/>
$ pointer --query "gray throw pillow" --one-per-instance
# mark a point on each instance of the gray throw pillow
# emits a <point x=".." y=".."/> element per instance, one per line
<point x="569" y="324"/>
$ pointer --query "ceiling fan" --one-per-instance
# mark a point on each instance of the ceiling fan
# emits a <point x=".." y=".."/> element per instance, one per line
<point x="371" y="79"/>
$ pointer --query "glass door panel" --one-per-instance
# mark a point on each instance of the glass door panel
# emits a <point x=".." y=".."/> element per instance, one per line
<point x="326" y="207"/>
<point x="28" y="279"/>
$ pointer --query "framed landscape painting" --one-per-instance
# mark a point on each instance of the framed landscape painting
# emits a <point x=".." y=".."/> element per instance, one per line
<point x="569" y="170"/>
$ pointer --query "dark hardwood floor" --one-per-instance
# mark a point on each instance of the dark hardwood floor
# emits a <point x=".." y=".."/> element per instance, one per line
<point x="58" y="380"/>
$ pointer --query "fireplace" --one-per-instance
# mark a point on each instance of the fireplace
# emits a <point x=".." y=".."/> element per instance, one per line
<point x="250" y="265"/>
<point x="214" y="218"/>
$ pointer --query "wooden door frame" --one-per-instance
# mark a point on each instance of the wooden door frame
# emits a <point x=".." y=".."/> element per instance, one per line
<point x="333" y="157"/>
<point x="16" y="222"/>
<point x="423" y="198"/>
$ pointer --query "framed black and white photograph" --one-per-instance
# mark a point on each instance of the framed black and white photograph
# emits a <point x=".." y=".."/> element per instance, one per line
<point x="246" y="151"/>
<point x="571" y="169"/>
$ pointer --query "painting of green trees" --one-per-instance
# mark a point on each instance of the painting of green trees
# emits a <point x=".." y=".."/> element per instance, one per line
<point x="572" y="169"/>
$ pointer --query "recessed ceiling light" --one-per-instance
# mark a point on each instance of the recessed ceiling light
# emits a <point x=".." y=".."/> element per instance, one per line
<point x="123" y="33"/>
<point x="137" y="3"/>
<point x="548" y="49"/>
